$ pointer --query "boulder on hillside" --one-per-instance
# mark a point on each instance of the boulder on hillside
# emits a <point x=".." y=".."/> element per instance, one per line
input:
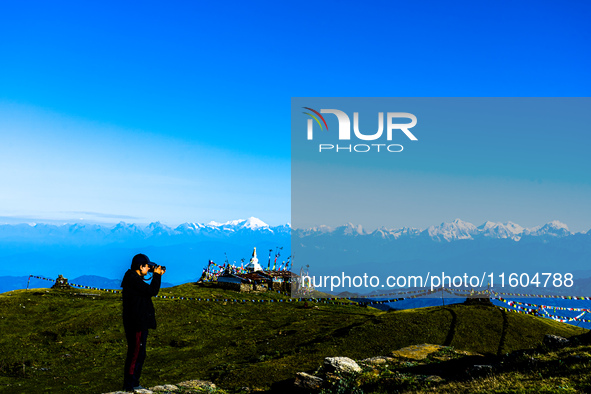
<point x="378" y="360"/>
<point x="341" y="365"/>
<point x="168" y="388"/>
<point x="308" y="382"/>
<point x="197" y="384"/>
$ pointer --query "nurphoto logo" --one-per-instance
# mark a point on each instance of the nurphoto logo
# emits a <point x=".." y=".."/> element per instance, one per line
<point x="344" y="133"/>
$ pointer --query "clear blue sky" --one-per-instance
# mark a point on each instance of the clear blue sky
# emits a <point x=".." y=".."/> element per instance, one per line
<point x="499" y="159"/>
<point x="180" y="111"/>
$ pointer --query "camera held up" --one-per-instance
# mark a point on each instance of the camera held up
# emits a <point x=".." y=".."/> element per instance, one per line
<point x="154" y="265"/>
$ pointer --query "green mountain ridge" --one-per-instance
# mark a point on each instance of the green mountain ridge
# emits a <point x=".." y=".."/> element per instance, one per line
<point x="71" y="341"/>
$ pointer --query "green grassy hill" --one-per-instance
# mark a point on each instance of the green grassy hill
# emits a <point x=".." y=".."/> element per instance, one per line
<point x="71" y="341"/>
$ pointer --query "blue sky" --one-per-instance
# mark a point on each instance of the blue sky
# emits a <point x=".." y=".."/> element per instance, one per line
<point x="496" y="159"/>
<point x="181" y="111"/>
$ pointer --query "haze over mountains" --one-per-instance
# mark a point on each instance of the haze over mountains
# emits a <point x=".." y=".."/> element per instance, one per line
<point x="90" y="249"/>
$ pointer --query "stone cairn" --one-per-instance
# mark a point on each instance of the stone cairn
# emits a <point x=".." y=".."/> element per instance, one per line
<point x="61" y="283"/>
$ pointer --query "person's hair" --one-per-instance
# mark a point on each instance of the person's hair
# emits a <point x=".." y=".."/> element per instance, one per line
<point x="139" y="260"/>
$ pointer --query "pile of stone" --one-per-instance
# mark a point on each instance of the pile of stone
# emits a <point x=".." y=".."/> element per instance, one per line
<point x="338" y="367"/>
<point x="333" y="366"/>
<point x="198" y="385"/>
<point x="61" y="283"/>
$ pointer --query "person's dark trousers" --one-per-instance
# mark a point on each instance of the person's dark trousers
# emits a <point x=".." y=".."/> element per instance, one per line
<point x="136" y="354"/>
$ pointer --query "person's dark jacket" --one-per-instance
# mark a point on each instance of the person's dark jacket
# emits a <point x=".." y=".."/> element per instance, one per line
<point x="138" y="310"/>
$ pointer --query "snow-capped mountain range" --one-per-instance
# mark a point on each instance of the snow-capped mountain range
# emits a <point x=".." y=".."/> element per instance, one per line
<point x="155" y="230"/>
<point x="91" y="249"/>
<point x="447" y="232"/>
<point x="458" y="247"/>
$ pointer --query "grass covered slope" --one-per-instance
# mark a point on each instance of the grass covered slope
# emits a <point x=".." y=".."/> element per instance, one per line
<point x="72" y="340"/>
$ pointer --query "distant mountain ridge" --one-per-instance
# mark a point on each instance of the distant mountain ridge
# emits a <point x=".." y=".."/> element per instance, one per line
<point x="156" y="231"/>
<point x="89" y="249"/>
<point x="456" y="230"/>
<point x="452" y="231"/>
<point x="456" y="248"/>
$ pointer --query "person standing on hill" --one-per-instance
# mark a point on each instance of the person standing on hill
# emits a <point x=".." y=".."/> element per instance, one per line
<point x="138" y="315"/>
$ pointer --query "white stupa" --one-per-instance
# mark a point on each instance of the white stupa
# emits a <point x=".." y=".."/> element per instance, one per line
<point x="254" y="262"/>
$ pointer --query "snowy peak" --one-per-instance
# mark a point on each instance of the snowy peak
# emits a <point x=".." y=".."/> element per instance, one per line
<point x="322" y="229"/>
<point x="509" y="230"/>
<point x="213" y="229"/>
<point x="189" y="228"/>
<point x="514" y="228"/>
<point x="351" y="229"/>
<point x="348" y="229"/>
<point x="232" y="227"/>
<point x="386" y="233"/>
<point x="157" y="229"/>
<point x="126" y="228"/>
<point x="457" y="229"/>
<point x="253" y="223"/>
<point x="250" y="223"/>
<point x="501" y="230"/>
<point x="553" y="229"/>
